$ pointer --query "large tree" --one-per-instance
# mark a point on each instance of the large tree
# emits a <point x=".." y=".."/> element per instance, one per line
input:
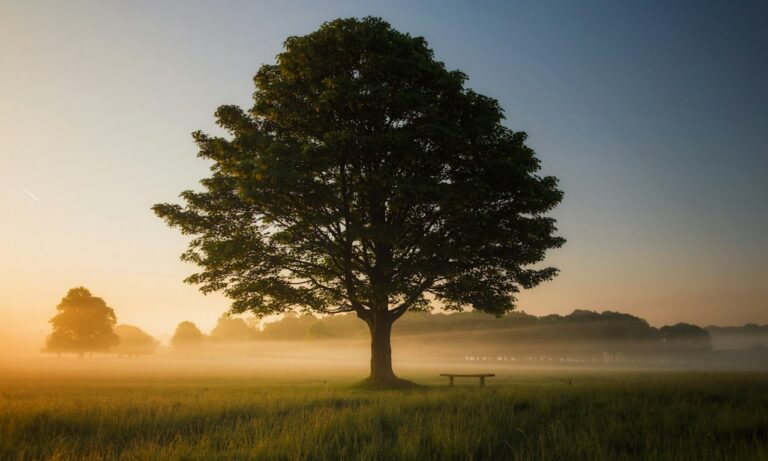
<point x="84" y="324"/>
<point x="367" y="178"/>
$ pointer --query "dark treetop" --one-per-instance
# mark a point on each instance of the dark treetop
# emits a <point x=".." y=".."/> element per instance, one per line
<point x="365" y="178"/>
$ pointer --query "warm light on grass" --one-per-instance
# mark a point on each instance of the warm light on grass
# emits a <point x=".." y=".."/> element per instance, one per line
<point x="526" y="416"/>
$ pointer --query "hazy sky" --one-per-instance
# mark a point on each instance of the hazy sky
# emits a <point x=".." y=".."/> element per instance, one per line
<point x="654" y="116"/>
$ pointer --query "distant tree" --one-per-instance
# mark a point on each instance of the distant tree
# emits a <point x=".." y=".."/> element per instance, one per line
<point x="687" y="337"/>
<point x="134" y="341"/>
<point x="187" y="337"/>
<point x="340" y="326"/>
<point x="233" y="329"/>
<point x="291" y="327"/>
<point x="84" y="324"/>
<point x="321" y="330"/>
<point x="367" y="178"/>
<point x="738" y="338"/>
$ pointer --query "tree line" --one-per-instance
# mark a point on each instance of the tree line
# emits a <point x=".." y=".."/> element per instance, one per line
<point x="611" y="331"/>
<point x="86" y="324"/>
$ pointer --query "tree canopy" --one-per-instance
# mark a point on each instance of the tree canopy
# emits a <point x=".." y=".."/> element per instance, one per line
<point x="187" y="337"/>
<point x="367" y="178"/>
<point x="134" y="341"/>
<point x="84" y="323"/>
<point x="688" y="335"/>
<point x="233" y="329"/>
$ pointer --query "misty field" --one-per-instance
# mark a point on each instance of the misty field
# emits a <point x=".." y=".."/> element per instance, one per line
<point x="525" y="415"/>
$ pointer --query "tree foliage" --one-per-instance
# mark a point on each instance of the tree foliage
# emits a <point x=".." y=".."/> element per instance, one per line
<point x="187" y="336"/>
<point x="366" y="178"/>
<point x="134" y="341"/>
<point x="685" y="334"/>
<point x="233" y="329"/>
<point x="84" y="323"/>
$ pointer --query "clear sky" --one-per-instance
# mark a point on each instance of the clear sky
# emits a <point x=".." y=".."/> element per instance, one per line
<point x="654" y="115"/>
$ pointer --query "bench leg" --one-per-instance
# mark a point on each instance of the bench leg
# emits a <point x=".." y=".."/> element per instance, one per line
<point x="482" y="381"/>
<point x="450" y="381"/>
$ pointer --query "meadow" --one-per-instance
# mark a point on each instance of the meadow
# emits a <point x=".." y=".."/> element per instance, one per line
<point x="521" y="414"/>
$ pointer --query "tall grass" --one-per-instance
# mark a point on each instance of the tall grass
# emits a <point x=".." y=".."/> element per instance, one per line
<point x="680" y="416"/>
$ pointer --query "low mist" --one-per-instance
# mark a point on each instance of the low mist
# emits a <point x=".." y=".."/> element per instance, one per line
<point x="297" y="345"/>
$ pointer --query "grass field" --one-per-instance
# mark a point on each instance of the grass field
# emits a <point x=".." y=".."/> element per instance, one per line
<point x="525" y="415"/>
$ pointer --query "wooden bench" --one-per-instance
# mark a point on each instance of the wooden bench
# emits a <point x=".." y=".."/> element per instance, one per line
<point x="482" y="377"/>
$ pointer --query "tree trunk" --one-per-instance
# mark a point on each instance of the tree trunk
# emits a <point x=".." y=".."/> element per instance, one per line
<point x="380" y="325"/>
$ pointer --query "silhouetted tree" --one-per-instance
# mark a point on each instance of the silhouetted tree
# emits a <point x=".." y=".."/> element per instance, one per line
<point x="134" y="341"/>
<point x="340" y="326"/>
<point x="738" y="338"/>
<point x="233" y="329"/>
<point x="685" y="336"/>
<point x="187" y="337"/>
<point x="364" y="177"/>
<point x="84" y="324"/>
